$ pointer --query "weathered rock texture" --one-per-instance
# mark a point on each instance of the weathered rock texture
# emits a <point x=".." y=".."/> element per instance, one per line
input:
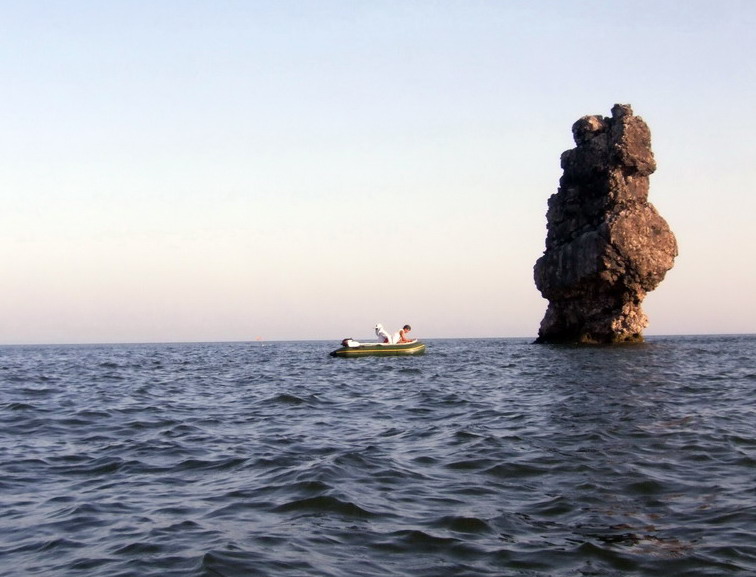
<point x="606" y="246"/>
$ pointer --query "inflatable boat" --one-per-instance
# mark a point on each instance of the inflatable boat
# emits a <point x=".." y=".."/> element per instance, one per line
<point x="352" y="348"/>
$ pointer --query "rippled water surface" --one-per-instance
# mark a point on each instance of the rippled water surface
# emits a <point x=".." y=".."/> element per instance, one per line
<point x="483" y="457"/>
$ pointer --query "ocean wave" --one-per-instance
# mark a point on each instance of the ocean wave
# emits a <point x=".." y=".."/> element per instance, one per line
<point x="479" y="458"/>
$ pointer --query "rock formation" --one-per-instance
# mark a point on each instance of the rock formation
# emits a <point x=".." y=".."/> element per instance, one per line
<point x="606" y="246"/>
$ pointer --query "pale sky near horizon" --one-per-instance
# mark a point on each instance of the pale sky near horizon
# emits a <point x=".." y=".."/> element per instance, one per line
<point x="199" y="171"/>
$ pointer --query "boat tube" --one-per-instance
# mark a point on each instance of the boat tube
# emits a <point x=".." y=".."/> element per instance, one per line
<point x="351" y="348"/>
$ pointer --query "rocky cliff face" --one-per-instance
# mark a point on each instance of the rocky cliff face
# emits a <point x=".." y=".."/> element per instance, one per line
<point x="606" y="246"/>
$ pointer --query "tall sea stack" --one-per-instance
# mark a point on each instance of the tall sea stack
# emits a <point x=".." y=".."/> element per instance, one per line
<point x="606" y="246"/>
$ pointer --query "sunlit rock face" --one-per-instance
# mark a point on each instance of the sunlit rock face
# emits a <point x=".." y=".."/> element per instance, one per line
<point x="606" y="246"/>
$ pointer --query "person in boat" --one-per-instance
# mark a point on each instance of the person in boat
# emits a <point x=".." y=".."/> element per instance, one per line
<point x="382" y="334"/>
<point x="401" y="336"/>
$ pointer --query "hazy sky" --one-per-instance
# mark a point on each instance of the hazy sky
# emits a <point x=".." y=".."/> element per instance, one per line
<point x="227" y="170"/>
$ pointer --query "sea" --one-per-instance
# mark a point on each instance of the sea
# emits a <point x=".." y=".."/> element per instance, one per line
<point x="484" y="457"/>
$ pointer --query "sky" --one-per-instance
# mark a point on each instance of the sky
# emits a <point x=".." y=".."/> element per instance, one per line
<point x="237" y="170"/>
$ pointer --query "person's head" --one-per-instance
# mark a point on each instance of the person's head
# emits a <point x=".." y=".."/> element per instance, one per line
<point x="407" y="328"/>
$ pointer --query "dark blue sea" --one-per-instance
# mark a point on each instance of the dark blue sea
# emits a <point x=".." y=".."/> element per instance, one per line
<point x="483" y="457"/>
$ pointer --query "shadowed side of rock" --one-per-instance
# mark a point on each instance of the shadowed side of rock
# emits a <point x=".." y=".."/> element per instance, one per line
<point x="606" y="245"/>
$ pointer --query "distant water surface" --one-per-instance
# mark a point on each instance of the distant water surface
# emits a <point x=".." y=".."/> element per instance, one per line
<point x="483" y="457"/>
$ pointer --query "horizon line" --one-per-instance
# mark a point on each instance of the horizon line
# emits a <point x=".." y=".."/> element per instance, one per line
<point x="261" y="341"/>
